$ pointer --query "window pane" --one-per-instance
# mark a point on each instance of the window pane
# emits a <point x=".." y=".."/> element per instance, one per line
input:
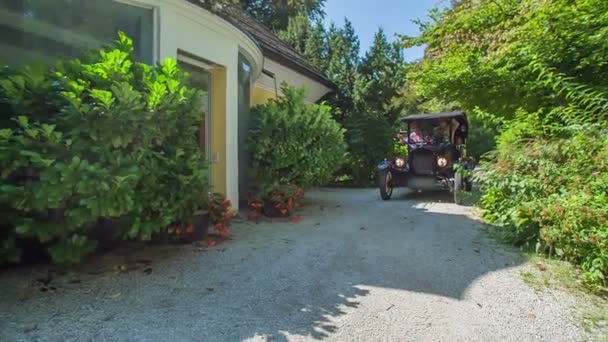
<point x="43" y="30"/>
<point x="200" y="78"/>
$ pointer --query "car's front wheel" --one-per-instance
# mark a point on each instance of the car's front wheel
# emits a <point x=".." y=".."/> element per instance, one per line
<point x="385" y="183"/>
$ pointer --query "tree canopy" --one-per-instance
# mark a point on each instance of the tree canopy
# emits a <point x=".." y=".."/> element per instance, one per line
<point x="275" y="14"/>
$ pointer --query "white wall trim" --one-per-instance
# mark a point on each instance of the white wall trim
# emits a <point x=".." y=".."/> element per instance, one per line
<point x="215" y="23"/>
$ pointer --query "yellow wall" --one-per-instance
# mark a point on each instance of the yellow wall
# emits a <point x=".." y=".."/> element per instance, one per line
<point x="260" y="96"/>
<point x="218" y="129"/>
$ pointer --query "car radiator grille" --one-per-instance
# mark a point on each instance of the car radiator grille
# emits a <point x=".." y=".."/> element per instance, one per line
<point x="423" y="162"/>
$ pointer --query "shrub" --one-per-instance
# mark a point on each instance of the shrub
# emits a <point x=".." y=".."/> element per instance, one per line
<point x="221" y="214"/>
<point x="551" y="194"/>
<point x="283" y="200"/>
<point x="100" y="138"/>
<point x="293" y="143"/>
<point x="369" y="139"/>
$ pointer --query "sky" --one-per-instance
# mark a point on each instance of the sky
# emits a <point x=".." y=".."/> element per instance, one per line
<point x="394" y="16"/>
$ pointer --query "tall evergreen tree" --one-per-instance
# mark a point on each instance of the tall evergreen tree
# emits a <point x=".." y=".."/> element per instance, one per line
<point x="316" y="49"/>
<point x="275" y="14"/>
<point x="297" y="32"/>
<point x="381" y="77"/>
<point x="342" y="62"/>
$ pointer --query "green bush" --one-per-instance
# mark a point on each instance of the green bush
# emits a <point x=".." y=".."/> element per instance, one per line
<point x="294" y="143"/>
<point x="104" y="138"/>
<point x="551" y="194"/>
<point x="370" y="138"/>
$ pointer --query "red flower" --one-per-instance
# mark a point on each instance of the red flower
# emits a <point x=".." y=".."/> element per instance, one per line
<point x="190" y="229"/>
<point x="290" y="203"/>
<point x="283" y="211"/>
<point x="224" y="233"/>
<point x="298" y="193"/>
<point x="296" y="219"/>
<point x="228" y="215"/>
<point x="211" y="243"/>
<point x="226" y="203"/>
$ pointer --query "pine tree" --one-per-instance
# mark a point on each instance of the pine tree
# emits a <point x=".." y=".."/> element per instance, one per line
<point x="316" y="48"/>
<point x="381" y="77"/>
<point x="343" y="60"/>
<point x="297" y="32"/>
<point x="275" y="14"/>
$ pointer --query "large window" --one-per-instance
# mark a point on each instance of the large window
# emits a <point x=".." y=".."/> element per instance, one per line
<point x="46" y="30"/>
<point x="200" y="78"/>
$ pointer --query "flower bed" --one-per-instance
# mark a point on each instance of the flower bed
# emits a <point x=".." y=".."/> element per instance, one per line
<point x="281" y="201"/>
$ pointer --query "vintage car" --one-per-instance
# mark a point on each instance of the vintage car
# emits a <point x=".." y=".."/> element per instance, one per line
<point x="436" y="150"/>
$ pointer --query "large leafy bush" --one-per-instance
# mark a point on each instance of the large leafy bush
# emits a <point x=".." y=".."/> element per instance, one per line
<point x="104" y="138"/>
<point x="552" y="194"/>
<point x="293" y="142"/>
<point x="533" y="72"/>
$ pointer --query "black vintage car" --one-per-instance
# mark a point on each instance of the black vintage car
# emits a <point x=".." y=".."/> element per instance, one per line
<point x="436" y="144"/>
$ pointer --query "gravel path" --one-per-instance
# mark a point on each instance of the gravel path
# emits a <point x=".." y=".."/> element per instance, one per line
<point x="416" y="268"/>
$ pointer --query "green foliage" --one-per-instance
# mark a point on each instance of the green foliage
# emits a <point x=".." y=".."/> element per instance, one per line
<point x="275" y="14"/>
<point x="373" y="84"/>
<point x="309" y="39"/>
<point x="297" y="32"/>
<point x="294" y="143"/>
<point x="485" y="54"/>
<point x="369" y="138"/>
<point x="102" y="138"/>
<point x="553" y="192"/>
<point x="342" y="63"/>
<point x="381" y="77"/>
<point x="531" y="73"/>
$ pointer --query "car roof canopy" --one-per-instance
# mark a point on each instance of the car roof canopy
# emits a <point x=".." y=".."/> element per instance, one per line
<point x="460" y="116"/>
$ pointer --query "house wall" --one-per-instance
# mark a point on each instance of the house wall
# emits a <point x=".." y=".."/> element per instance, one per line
<point x="184" y="26"/>
<point x="260" y="95"/>
<point x="314" y="90"/>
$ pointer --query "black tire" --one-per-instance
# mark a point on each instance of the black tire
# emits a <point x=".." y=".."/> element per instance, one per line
<point x="468" y="185"/>
<point x="384" y="179"/>
<point x="459" y="187"/>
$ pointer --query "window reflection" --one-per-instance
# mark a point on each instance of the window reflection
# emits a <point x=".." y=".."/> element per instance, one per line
<point x="46" y="30"/>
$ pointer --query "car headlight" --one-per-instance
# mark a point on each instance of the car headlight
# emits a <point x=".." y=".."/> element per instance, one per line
<point x="442" y="162"/>
<point x="400" y="162"/>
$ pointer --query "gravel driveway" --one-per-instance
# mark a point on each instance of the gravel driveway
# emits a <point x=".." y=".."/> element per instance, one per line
<point x="416" y="268"/>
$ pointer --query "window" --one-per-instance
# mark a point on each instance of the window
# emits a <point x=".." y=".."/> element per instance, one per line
<point x="46" y="30"/>
<point x="200" y="78"/>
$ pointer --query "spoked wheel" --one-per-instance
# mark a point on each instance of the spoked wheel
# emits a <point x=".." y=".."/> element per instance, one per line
<point x="385" y="183"/>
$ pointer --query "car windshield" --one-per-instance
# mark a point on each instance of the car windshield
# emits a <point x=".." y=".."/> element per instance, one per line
<point x="429" y="131"/>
